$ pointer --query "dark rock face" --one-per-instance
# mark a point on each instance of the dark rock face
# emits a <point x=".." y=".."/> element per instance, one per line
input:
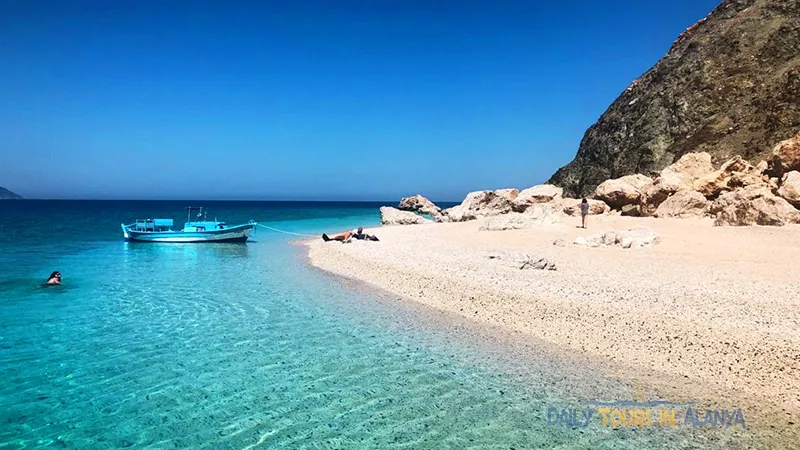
<point x="730" y="85"/>
<point x="5" y="194"/>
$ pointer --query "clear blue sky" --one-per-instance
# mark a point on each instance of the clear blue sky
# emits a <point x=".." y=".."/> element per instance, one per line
<point x="371" y="99"/>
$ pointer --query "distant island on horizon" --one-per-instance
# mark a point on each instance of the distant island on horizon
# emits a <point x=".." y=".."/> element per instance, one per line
<point x="5" y="194"/>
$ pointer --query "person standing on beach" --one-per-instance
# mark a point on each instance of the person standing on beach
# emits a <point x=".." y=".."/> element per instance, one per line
<point x="584" y="212"/>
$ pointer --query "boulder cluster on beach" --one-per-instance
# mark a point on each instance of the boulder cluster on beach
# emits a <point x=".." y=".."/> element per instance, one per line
<point x="736" y="194"/>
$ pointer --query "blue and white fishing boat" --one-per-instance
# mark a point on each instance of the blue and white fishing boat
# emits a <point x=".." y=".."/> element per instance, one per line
<point x="160" y="230"/>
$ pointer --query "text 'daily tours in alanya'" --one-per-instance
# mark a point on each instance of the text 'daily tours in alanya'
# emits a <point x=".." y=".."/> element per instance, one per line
<point x="644" y="414"/>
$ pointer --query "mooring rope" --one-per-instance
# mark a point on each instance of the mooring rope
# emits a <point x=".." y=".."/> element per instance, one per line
<point x="286" y="232"/>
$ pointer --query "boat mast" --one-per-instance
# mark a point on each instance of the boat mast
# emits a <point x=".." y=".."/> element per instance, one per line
<point x="199" y="209"/>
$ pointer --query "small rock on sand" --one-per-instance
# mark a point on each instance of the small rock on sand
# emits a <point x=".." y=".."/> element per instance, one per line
<point x="522" y="261"/>
<point x="632" y="238"/>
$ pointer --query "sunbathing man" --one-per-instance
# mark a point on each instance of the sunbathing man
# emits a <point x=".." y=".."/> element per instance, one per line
<point x="349" y="235"/>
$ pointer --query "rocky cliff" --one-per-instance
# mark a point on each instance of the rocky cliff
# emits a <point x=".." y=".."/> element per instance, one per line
<point x="5" y="194"/>
<point x="730" y="85"/>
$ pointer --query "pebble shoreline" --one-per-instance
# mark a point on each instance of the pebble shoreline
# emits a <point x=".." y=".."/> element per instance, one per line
<point x="708" y="308"/>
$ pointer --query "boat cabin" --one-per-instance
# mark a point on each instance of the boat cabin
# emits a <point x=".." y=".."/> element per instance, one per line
<point x="152" y="225"/>
<point x="201" y="224"/>
<point x="206" y="225"/>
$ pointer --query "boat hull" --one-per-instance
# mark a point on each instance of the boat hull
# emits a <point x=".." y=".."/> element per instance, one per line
<point x="233" y="234"/>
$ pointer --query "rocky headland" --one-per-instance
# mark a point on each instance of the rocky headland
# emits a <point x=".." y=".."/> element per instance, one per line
<point x="729" y="86"/>
<point x="5" y="194"/>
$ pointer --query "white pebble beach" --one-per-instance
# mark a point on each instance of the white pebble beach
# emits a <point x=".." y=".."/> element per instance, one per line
<point x="709" y="309"/>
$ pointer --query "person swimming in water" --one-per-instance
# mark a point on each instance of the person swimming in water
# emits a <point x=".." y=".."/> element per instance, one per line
<point x="55" y="278"/>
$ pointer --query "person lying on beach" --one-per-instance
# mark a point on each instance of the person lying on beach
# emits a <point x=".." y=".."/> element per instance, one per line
<point x="55" y="278"/>
<point x="347" y="236"/>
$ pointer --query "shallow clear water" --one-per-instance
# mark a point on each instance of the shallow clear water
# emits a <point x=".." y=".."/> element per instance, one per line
<point x="241" y="346"/>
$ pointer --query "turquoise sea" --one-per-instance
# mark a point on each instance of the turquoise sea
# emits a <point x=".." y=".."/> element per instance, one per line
<point x="234" y="346"/>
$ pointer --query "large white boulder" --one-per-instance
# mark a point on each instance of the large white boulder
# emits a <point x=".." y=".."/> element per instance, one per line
<point x="683" y="204"/>
<point x="622" y="191"/>
<point x="679" y="176"/>
<point x="753" y="205"/>
<point x="417" y="203"/>
<point x="713" y="184"/>
<point x="572" y="206"/>
<point x="736" y="164"/>
<point x="733" y="174"/>
<point x="543" y="193"/>
<point x="393" y="216"/>
<point x="790" y="188"/>
<point x="420" y="204"/>
<point x="786" y="154"/>
<point x="535" y="216"/>
<point x="482" y="204"/>
<point x="690" y="167"/>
